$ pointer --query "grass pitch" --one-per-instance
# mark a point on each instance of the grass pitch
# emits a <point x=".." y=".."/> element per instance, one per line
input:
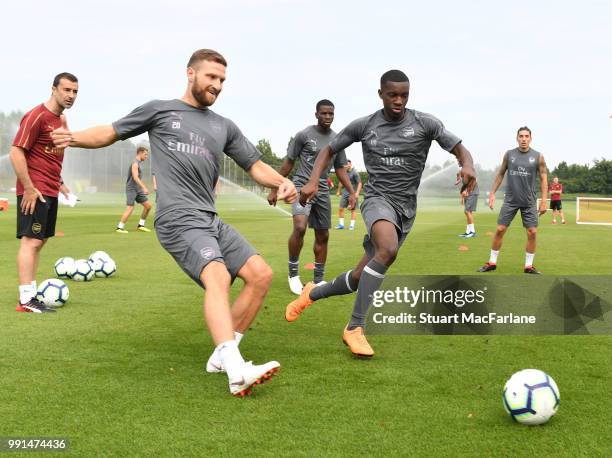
<point x="119" y="370"/>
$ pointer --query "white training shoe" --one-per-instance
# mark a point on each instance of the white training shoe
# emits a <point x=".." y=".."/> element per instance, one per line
<point x="214" y="364"/>
<point x="321" y="283"/>
<point x="295" y="285"/>
<point x="253" y="375"/>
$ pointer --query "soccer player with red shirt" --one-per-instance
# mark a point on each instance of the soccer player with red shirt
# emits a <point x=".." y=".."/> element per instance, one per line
<point x="556" y="189"/>
<point x="38" y="166"/>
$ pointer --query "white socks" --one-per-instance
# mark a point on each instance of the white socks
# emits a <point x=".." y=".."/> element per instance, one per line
<point x="340" y="221"/>
<point x="121" y="225"/>
<point x="493" y="257"/>
<point x="529" y="259"/>
<point x="27" y="292"/>
<point x="231" y="359"/>
<point x="470" y="228"/>
<point x="352" y="225"/>
<point x="141" y="222"/>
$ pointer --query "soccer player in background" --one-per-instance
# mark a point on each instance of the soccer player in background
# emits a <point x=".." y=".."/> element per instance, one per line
<point x="344" y="199"/>
<point x="136" y="191"/>
<point x="556" y="189"/>
<point x="38" y="165"/>
<point x="395" y="143"/>
<point x="522" y="164"/>
<point x="470" y="203"/>
<point x="188" y="141"/>
<point x="317" y="213"/>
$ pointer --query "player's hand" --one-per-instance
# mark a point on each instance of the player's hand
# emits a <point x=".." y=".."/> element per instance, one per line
<point x="62" y="136"/>
<point x="338" y="192"/>
<point x="543" y="207"/>
<point x="308" y="192"/>
<point x="491" y="200"/>
<point x="273" y="197"/>
<point x="29" y="199"/>
<point x="64" y="190"/>
<point x="287" y="192"/>
<point x="458" y="179"/>
<point x="145" y="190"/>
<point x="352" y="201"/>
<point x="468" y="177"/>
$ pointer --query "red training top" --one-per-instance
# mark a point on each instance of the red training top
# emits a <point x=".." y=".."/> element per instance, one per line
<point x="43" y="158"/>
<point x="555" y="187"/>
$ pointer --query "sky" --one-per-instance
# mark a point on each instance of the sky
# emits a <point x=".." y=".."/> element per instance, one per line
<point x="483" y="67"/>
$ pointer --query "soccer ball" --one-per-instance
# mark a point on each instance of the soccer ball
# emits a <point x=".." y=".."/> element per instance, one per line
<point x="531" y="397"/>
<point x="103" y="255"/>
<point x="53" y="292"/>
<point x="104" y="268"/>
<point x="83" y="271"/>
<point x="65" y="267"/>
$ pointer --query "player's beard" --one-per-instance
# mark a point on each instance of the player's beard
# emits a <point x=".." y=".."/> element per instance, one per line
<point x="200" y="94"/>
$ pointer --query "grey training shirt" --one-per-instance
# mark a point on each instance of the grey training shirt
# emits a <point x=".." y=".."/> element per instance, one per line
<point x="355" y="180"/>
<point x="523" y="168"/>
<point x="130" y="184"/>
<point x="305" y="146"/>
<point x="187" y="145"/>
<point x="394" y="153"/>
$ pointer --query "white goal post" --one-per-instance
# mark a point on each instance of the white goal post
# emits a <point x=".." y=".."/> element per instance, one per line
<point x="547" y="204"/>
<point x="594" y="210"/>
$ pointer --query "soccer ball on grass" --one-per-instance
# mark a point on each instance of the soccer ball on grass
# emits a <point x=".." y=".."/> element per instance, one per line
<point x="53" y="292"/>
<point x="531" y="397"/>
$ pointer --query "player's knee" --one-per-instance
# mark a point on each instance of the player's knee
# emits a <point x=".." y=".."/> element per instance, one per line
<point x="501" y="230"/>
<point x="321" y="237"/>
<point x="387" y="254"/>
<point x="531" y="232"/>
<point x="32" y="243"/>
<point x="260" y="276"/>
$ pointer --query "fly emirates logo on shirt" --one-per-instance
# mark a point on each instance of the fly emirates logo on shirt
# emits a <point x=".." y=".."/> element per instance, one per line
<point x="195" y="146"/>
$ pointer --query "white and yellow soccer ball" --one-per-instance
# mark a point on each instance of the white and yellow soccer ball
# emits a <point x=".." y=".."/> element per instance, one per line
<point x="531" y="397"/>
<point x="65" y="267"/>
<point x="53" y="292"/>
<point x="104" y="268"/>
<point x="83" y="271"/>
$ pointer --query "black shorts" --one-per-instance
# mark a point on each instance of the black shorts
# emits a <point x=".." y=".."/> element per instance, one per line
<point x="555" y="205"/>
<point x="41" y="224"/>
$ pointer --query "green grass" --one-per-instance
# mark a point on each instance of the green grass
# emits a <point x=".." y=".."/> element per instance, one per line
<point x="118" y="370"/>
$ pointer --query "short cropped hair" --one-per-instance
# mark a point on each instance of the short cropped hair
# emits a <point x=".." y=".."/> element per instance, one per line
<point x="394" y="76"/>
<point x="324" y="103"/>
<point x="141" y="149"/>
<point x="523" y="128"/>
<point x="64" y="75"/>
<point x="206" y="54"/>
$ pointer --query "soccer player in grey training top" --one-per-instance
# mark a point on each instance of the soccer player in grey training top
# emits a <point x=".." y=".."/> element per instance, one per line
<point x="136" y="191"/>
<point x="188" y="141"/>
<point x="522" y="164"/>
<point x="395" y="143"/>
<point x="470" y="203"/>
<point x="317" y="213"/>
<point x="357" y="185"/>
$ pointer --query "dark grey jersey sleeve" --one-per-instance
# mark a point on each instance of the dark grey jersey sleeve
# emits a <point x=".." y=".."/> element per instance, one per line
<point x="239" y="148"/>
<point x="137" y="122"/>
<point x="349" y="135"/>
<point x="295" y="146"/>
<point x="340" y="159"/>
<point x="446" y="139"/>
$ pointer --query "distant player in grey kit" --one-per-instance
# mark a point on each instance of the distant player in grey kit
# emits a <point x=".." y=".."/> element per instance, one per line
<point x="522" y="164"/>
<point x="395" y="143"/>
<point x="136" y="192"/>
<point x="344" y="199"/>
<point x="470" y="204"/>
<point x="317" y="213"/>
<point x="188" y="141"/>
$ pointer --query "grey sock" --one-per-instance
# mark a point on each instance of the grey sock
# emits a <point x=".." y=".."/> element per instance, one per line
<point x="371" y="278"/>
<point x="319" y="271"/>
<point x="294" y="265"/>
<point x="342" y="284"/>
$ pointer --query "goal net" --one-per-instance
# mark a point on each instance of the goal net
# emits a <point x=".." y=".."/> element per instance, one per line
<point x="594" y="210"/>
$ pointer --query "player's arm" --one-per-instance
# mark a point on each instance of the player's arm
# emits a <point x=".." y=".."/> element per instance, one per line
<point x="359" y="188"/>
<point x="309" y="190"/>
<point x="64" y="189"/>
<point x="285" y="170"/>
<point x="499" y="178"/>
<point x="543" y="184"/>
<point x="30" y="193"/>
<point x="339" y="189"/>
<point x="94" y="137"/>
<point x="154" y="182"/>
<point x="266" y="176"/>
<point x="467" y="172"/>
<point x="343" y="177"/>
<point x="137" y="179"/>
